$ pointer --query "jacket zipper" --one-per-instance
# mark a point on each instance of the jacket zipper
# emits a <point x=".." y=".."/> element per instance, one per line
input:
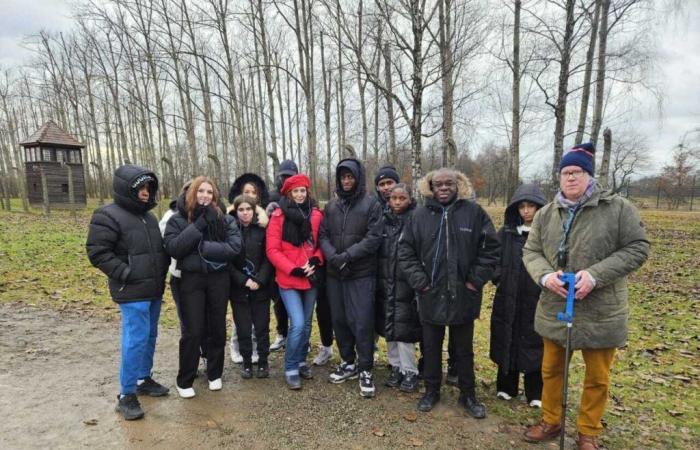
<point x="150" y="247"/>
<point x="447" y="247"/>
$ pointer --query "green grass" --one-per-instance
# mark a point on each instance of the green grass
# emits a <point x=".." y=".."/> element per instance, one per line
<point x="654" y="397"/>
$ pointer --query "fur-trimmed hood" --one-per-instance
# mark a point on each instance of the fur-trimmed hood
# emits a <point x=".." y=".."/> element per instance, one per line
<point x="465" y="190"/>
<point x="260" y="215"/>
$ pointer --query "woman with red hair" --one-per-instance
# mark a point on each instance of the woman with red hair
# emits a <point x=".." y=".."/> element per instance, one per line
<point x="205" y="242"/>
<point x="293" y="249"/>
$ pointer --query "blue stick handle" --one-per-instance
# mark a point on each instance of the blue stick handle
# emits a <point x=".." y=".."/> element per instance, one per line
<point x="568" y="314"/>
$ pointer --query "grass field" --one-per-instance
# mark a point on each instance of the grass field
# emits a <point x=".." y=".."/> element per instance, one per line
<point x="655" y="396"/>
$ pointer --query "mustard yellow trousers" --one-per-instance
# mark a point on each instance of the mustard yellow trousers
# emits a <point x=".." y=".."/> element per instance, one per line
<point x="595" y="386"/>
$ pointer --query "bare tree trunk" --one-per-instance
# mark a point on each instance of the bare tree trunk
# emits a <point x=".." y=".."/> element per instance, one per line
<point x="327" y="85"/>
<point x="389" y="83"/>
<point x="514" y="175"/>
<point x="449" y="158"/>
<point x="360" y="83"/>
<point x="279" y="102"/>
<point x="600" y="76"/>
<point x="586" y="92"/>
<point x="267" y="71"/>
<point x="562" y="91"/>
<point x="341" y="89"/>
<point x="604" y="170"/>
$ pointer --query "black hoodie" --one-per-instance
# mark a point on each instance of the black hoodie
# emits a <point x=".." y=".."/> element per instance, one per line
<point x="237" y="188"/>
<point x="351" y="231"/>
<point x="124" y="240"/>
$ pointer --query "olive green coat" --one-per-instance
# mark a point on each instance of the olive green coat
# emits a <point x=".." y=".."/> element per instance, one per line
<point x="607" y="239"/>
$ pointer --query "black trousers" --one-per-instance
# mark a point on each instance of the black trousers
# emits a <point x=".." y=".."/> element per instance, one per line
<point x="463" y="355"/>
<point x="280" y="312"/>
<point x="352" y="315"/>
<point x="246" y="315"/>
<point x="203" y="304"/>
<point x="175" y="289"/>
<point x="508" y="382"/>
<point x="323" y="317"/>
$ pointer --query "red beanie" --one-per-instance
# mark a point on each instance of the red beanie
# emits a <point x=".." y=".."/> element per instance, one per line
<point x="295" y="181"/>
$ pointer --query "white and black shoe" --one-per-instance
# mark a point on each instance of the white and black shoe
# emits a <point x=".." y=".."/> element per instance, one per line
<point x="342" y="373"/>
<point x="279" y="343"/>
<point x="366" y="384"/>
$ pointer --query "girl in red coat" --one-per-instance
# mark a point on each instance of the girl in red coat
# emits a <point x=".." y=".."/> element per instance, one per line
<point x="292" y="248"/>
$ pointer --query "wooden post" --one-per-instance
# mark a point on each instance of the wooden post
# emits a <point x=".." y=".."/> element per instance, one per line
<point x="71" y="193"/>
<point x="658" y="196"/>
<point x="692" y="193"/>
<point x="45" y="193"/>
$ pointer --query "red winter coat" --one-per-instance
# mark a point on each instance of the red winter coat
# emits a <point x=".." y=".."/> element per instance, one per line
<point x="285" y="256"/>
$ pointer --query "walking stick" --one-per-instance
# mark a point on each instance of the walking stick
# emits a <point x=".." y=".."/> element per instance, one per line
<point x="567" y="316"/>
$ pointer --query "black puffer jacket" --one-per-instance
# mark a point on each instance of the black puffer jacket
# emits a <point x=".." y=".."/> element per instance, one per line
<point x="351" y="229"/>
<point x="124" y="240"/>
<point x="514" y="343"/>
<point x="443" y="248"/>
<point x="197" y="251"/>
<point x="401" y="321"/>
<point x="252" y="264"/>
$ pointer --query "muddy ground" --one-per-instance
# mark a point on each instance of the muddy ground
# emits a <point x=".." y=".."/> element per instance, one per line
<point x="59" y="384"/>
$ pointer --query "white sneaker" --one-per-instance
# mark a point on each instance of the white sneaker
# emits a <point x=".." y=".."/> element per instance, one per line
<point x="503" y="396"/>
<point x="324" y="355"/>
<point x="185" y="392"/>
<point x="236" y="356"/>
<point x="254" y="357"/>
<point x="536" y="404"/>
<point x="280" y="342"/>
<point x="215" y="385"/>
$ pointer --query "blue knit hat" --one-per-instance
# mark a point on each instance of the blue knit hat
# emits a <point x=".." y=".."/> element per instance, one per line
<point x="581" y="155"/>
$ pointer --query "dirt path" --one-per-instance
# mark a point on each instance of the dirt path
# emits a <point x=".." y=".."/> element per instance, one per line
<point x="59" y="383"/>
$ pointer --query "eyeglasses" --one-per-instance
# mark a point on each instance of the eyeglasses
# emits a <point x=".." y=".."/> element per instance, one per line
<point x="576" y="174"/>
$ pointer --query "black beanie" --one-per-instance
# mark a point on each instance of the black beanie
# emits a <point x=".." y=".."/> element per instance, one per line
<point x="387" y="172"/>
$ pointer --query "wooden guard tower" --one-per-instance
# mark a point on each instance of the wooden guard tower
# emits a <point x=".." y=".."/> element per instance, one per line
<point x="57" y="153"/>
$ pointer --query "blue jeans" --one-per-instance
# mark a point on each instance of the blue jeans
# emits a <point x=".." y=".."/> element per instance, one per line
<point x="139" y="333"/>
<point x="300" y="308"/>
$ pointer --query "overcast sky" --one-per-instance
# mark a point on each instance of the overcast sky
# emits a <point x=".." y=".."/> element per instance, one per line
<point x="679" y="48"/>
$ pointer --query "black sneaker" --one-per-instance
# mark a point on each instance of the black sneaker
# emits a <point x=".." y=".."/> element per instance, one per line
<point x="247" y="371"/>
<point x="343" y="372"/>
<point x="366" y="384"/>
<point x="305" y="372"/>
<point x="395" y="377"/>
<point x="409" y="382"/>
<point x="263" y="370"/>
<point x="428" y="401"/>
<point x="129" y="407"/>
<point x="474" y="407"/>
<point x="151" y="388"/>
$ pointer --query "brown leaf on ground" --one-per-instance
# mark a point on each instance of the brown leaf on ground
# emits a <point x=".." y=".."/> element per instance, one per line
<point x="378" y="432"/>
<point x="410" y="416"/>
<point x="90" y="422"/>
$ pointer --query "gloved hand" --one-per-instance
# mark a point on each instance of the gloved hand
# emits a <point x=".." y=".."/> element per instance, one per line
<point x="271" y="207"/>
<point x="339" y="259"/>
<point x="211" y="214"/>
<point x="314" y="261"/>
<point x="298" y="272"/>
<point x="200" y="219"/>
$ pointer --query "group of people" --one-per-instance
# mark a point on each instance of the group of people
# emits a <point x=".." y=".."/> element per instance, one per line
<point x="373" y="264"/>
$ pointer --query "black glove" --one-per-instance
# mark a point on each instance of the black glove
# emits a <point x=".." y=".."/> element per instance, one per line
<point x="314" y="261"/>
<point x="211" y="214"/>
<point x="339" y="259"/>
<point x="298" y="272"/>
